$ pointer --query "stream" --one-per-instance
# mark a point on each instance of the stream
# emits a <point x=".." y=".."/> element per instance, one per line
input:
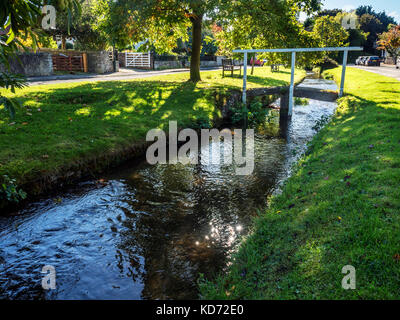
<point x="146" y="232"/>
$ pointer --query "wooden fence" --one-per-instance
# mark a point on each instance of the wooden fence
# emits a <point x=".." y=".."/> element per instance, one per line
<point x="70" y="62"/>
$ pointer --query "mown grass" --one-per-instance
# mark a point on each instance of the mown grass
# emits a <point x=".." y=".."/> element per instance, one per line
<point x="341" y="207"/>
<point x="69" y="123"/>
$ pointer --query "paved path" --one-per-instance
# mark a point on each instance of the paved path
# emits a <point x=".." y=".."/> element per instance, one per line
<point x="385" y="70"/>
<point x="123" y="74"/>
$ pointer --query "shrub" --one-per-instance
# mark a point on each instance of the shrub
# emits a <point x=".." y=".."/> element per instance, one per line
<point x="10" y="192"/>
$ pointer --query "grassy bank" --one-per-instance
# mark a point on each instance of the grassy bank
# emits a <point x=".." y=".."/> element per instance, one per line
<point x="341" y="207"/>
<point x="64" y="127"/>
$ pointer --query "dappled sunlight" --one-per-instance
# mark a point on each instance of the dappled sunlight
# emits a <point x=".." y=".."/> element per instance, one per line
<point x="310" y="256"/>
<point x="128" y="109"/>
<point x="112" y="113"/>
<point x="94" y="117"/>
<point x="166" y="115"/>
<point x="85" y="111"/>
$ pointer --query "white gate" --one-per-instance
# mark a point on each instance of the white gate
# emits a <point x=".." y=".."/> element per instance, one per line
<point x="138" y="59"/>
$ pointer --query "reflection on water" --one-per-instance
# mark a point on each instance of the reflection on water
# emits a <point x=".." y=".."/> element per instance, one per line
<point x="146" y="232"/>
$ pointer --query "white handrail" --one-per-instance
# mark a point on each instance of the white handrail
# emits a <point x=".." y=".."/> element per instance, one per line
<point x="293" y="51"/>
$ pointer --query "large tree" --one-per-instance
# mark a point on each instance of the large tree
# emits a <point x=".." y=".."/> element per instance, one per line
<point x="20" y="20"/>
<point x="373" y="23"/>
<point x="162" y="20"/>
<point x="80" y="23"/>
<point x="390" y="41"/>
<point x="17" y="19"/>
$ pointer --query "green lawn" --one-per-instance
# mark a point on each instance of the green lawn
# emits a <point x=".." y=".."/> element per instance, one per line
<point x="65" y="125"/>
<point x="341" y="207"/>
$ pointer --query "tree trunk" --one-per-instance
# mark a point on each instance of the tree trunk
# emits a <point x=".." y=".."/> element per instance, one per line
<point x="197" y="22"/>
<point x="63" y="43"/>
<point x="252" y="64"/>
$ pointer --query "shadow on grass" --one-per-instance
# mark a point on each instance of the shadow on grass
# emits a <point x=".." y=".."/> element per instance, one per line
<point x="148" y="101"/>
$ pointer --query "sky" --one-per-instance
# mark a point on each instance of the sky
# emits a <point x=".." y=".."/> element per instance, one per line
<point x="392" y="7"/>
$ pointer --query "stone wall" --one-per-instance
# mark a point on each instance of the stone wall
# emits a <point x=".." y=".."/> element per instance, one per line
<point x="99" y="62"/>
<point x="173" y="63"/>
<point x="31" y="64"/>
<point x="209" y="64"/>
<point x="121" y="59"/>
<point x="185" y="64"/>
<point x="170" y="64"/>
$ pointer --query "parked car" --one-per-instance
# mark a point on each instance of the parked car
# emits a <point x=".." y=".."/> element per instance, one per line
<point x="257" y="62"/>
<point x="373" y="61"/>
<point x="358" y="60"/>
<point x="361" y="60"/>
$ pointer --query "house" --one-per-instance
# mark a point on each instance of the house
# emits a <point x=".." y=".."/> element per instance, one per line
<point x="389" y="59"/>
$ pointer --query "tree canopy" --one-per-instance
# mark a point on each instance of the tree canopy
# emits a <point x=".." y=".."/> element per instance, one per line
<point x="273" y="23"/>
<point x="20" y="21"/>
<point x="369" y="25"/>
<point x="390" y="41"/>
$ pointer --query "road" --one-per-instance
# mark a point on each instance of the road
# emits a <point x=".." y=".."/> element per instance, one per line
<point x="123" y="74"/>
<point x="385" y="70"/>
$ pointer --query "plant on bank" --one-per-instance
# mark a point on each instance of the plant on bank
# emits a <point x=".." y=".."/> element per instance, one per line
<point x="10" y="192"/>
<point x="256" y="113"/>
<point x="301" y="101"/>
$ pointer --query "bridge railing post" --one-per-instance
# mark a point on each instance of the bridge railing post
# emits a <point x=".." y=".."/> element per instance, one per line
<point x="345" y="55"/>
<point x="244" y="97"/>
<point x="291" y="92"/>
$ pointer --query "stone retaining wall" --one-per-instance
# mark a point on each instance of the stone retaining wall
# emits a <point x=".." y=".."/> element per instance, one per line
<point x="31" y="64"/>
<point x="99" y="62"/>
